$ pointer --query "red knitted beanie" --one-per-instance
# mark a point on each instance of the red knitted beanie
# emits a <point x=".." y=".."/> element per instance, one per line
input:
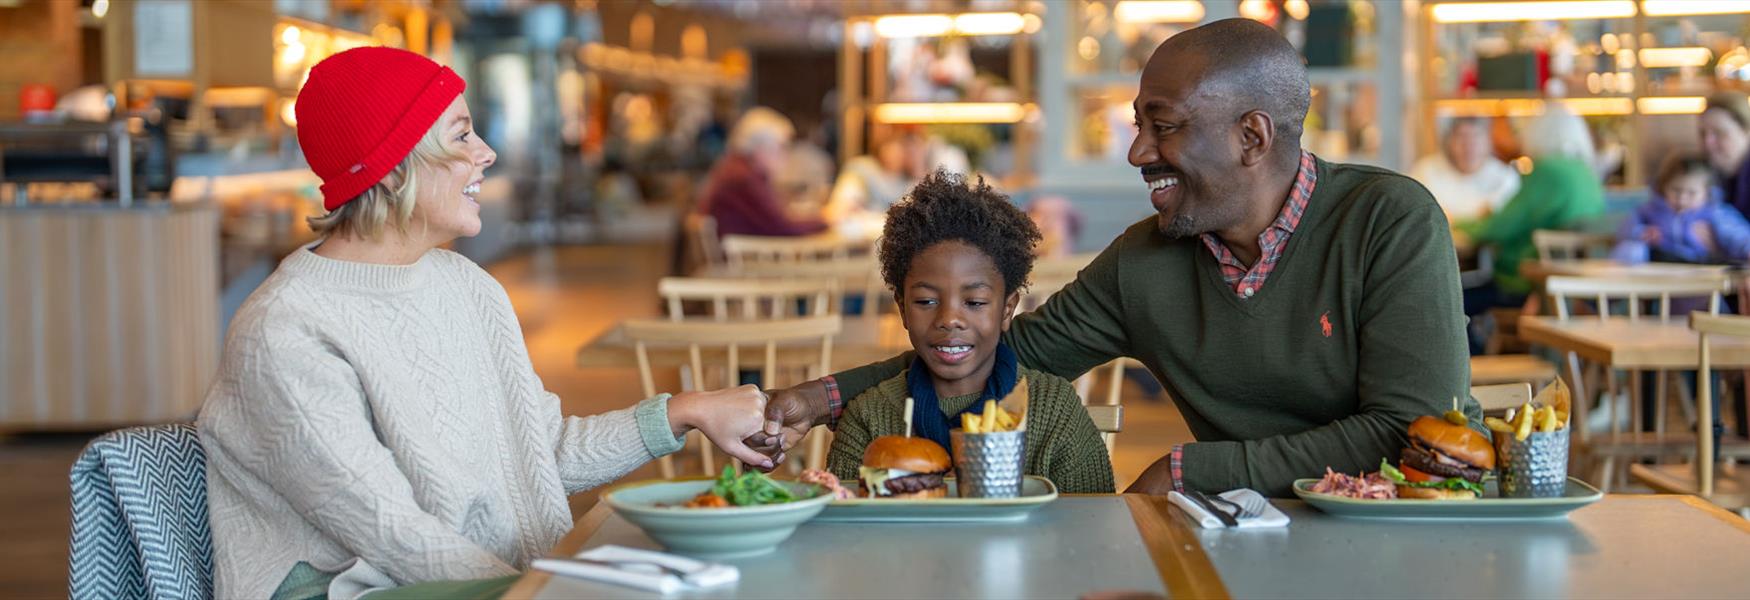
<point x="363" y="110"/>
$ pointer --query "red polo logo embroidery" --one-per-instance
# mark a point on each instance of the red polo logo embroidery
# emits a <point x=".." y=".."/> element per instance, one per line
<point x="1325" y="323"/>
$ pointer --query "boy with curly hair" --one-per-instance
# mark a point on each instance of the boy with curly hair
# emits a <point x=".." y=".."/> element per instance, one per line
<point x="957" y="256"/>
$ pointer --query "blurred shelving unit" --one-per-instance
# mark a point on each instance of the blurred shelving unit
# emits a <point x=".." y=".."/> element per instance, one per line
<point x="918" y="69"/>
<point x="1638" y="71"/>
<point x="1091" y="58"/>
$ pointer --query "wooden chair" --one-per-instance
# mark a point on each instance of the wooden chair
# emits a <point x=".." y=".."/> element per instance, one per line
<point x="1632" y="292"/>
<point x="1698" y="478"/>
<point x="748" y="299"/>
<point x="1570" y="245"/>
<point x="742" y="250"/>
<point x="724" y="341"/>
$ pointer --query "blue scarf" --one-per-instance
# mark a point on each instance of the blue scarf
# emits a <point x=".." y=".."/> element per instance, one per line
<point x="927" y="420"/>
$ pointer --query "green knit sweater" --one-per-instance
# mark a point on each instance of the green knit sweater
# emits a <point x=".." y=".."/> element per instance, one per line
<point x="1062" y="444"/>
<point x="1358" y="331"/>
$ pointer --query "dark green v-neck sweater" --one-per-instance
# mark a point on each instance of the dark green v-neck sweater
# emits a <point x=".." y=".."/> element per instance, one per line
<point x="1271" y="394"/>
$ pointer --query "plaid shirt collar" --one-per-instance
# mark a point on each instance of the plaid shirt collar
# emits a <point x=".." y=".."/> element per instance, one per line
<point x="1247" y="281"/>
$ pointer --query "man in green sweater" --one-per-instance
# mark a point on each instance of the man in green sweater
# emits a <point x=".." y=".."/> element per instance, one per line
<point x="1300" y="312"/>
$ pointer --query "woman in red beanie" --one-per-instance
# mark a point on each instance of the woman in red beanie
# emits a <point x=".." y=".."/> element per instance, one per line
<point x="376" y="422"/>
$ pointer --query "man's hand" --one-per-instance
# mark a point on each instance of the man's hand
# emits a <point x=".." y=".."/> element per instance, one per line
<point x="726" y="417"/>
<point x="1158" y="479"/>
<point x="789" y="414"/>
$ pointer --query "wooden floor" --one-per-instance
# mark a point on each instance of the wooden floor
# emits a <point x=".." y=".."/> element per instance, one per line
<point x="563" y="296"/>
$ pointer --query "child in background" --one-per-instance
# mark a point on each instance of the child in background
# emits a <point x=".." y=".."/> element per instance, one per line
<point x="1686" y="220"/>
<point x="956" y="256"/>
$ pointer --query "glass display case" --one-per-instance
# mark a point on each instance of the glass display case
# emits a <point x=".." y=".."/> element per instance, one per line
<point x="1638" y="72"/>
<point x="1094" y="55"/>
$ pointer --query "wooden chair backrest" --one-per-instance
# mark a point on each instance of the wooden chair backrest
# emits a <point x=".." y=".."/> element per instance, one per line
<point x="1569" y="245"/>
<point x="1635" y="290"/>
<point x="742" y="250"/>
<point x="1109" y="420"/>
<point x="749" y="299"/>
<point x="1499" y="398"/>
<point x="854" y="275"/>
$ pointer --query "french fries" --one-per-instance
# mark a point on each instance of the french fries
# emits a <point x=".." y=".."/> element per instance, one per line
<point x="1543" y="414"/>
<point x="995" y="419"/>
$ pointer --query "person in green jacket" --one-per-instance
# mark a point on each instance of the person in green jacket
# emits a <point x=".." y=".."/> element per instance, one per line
<point x="1561" y="192"/>
<point x="956" y="256"/>
<point x="1301" y="313"/>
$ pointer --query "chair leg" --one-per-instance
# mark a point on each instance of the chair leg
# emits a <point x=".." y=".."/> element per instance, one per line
<point x="1663" y="401"/>
<point x="705" y="453"/>
<point x="817" y="448"/>
<point x="665" y="466"/>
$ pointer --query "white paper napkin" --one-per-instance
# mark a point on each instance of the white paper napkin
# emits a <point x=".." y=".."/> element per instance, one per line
<point x="635" y="569"/>
<point x="1272" y="517"/>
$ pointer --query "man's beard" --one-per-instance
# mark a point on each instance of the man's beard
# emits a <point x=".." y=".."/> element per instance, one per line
<point x="1200" y="219"/>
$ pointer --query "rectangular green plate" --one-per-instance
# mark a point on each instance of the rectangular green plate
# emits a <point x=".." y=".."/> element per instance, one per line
<point x="1035" y="492"/>
<point x="1489" y="507"/>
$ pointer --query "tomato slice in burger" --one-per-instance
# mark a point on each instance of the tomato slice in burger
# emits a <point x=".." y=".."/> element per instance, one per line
<point x="1414" y="475"/>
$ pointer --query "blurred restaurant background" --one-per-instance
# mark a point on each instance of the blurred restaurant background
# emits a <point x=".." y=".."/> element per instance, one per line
<point x="150" y="176"/>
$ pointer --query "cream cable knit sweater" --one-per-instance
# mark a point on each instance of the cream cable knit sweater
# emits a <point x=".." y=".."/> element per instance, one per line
<point x="385" y="420"/>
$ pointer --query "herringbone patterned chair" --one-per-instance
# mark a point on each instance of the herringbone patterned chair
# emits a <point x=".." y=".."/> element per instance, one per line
<point x="140" y="517"/>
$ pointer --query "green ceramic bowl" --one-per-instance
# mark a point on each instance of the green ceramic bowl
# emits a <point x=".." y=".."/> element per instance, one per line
<point x="712" y="532"/>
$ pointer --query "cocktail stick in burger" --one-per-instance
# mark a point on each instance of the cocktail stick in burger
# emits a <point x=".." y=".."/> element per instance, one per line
<point x="1446" y="460"/>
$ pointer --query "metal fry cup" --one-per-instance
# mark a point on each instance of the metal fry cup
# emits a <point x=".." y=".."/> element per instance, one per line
<point x="988" y="465"/>
<point x="1534" y="468"/>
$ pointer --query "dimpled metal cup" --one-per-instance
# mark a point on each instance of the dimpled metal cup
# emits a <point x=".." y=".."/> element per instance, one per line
<point x="1534" y="468"/>
<point x="988" y="465"/>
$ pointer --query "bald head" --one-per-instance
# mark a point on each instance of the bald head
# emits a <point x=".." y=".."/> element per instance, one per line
<point x="1245" y="66"/>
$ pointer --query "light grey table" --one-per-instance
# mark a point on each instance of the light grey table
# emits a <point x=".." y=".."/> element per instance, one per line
<point x="1621" y="547"/>
<point x="1075" y="545"/>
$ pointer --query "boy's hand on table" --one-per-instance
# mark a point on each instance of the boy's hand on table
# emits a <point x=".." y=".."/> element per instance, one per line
<point x="1651" y="235"/>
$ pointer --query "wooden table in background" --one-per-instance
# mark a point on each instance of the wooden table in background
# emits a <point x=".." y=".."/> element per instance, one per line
<point x="1645" y="345"/>
<point x="862" y="341"/>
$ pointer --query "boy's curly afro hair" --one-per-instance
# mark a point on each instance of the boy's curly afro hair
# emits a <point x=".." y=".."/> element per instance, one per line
<point x="946" y="207"/>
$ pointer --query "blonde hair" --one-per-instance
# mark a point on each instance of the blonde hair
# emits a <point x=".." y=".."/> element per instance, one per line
<point x="389" y="202"/>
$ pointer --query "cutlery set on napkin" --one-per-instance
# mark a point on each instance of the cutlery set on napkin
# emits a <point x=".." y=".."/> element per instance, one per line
<point x="643" y="569"/>
<point x="1241" y="508"/>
